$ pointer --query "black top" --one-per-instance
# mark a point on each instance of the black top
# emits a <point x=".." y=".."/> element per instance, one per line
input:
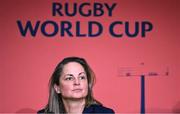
<point x="91" y="109"/>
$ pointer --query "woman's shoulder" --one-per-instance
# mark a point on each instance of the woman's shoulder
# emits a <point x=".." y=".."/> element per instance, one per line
<point x="95" y="108"/>
<point x="41" y="111"/>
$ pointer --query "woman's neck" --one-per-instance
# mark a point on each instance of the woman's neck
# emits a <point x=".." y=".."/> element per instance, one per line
<point x="74" y="105"/>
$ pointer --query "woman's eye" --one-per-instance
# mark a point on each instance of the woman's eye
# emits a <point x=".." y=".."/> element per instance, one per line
<point x="69" y="78"/>
<point x="82" y="77"/>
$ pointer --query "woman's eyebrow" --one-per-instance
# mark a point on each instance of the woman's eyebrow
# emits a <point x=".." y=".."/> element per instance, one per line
<point x="82" y="73"/>
<point x="73" y="75"/>
<point x="68" y="75"/>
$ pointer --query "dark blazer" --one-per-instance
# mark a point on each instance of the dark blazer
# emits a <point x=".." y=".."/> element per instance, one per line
<point x="92" y="109"/>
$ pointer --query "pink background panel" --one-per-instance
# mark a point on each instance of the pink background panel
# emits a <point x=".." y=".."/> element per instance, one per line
<point x="26" y="64"/>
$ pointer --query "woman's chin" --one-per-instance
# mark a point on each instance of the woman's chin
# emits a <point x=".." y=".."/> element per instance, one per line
<point x="78" y="96"/>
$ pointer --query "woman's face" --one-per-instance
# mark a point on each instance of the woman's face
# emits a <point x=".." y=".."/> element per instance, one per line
<point x="73" y="82"/>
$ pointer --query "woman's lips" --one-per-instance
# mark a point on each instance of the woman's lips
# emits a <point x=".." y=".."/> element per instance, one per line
<point x="77" y="90"/>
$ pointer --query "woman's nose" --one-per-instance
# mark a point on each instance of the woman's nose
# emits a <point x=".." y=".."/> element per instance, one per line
<point x="76" y="82"/>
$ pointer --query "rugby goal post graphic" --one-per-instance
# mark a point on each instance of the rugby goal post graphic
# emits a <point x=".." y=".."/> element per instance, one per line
<point x="141" y="71"/>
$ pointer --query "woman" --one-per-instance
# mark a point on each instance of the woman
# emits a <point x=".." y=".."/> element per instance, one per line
<point x="70" y="89"/>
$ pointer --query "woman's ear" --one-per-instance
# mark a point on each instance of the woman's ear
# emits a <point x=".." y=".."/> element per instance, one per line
<point x="57" y="89"/>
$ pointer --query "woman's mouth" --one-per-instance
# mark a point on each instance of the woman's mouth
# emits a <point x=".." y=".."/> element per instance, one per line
<point x="77" y="90"/>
